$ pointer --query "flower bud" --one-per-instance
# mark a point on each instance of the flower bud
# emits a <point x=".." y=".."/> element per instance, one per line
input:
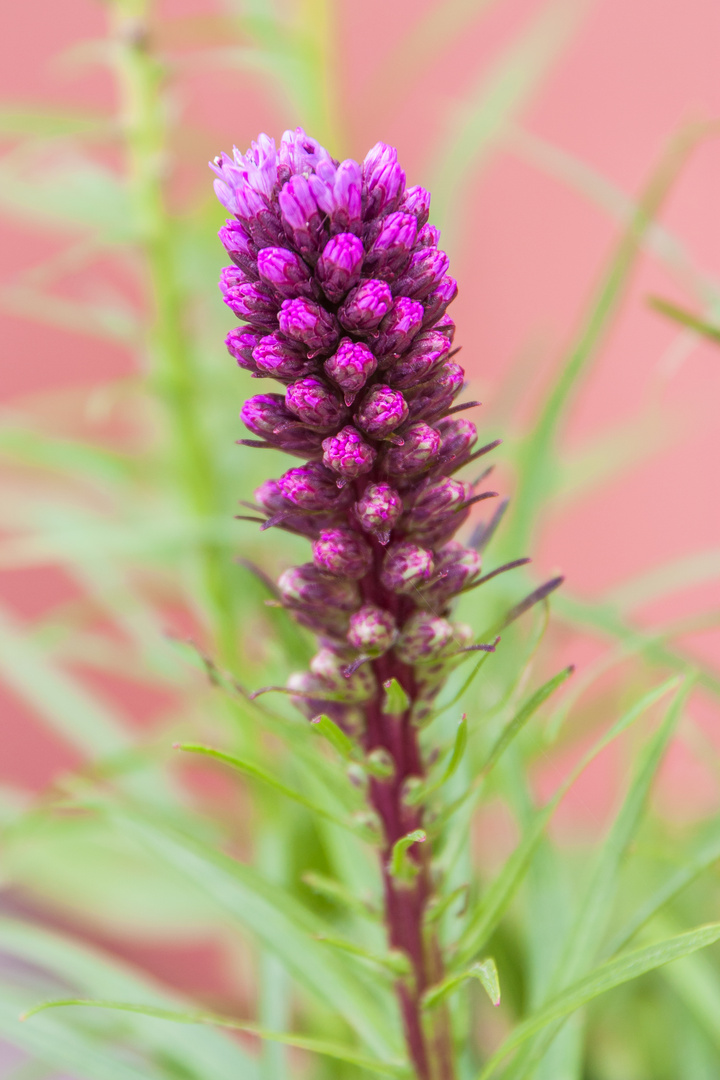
<point x="372" y="630"/>
<point x="434" y="398"/>
<point x="391" y="250"/>
<point x="248" y="300"/>
<point x="439" y="300"/>
<point x="398" y="328"/>
<point x="421" y="445"/>
<point x="339" y="266"/>
<point x="426" y="268"/>
<point x="383" y="181"/>
<point x="350" y="367"/>
<point x="284" y="271"/>
<point x="406" y="566"/>
<point x="423" y="638"/>
<point x="305" y="321"/>
<point x="381" y="411"/>
<point x="435" y="498"/>
<point x="240" y="343"/>
<point x="236" y="241"/>
<point x="308" y="587"/>
<point x="426" y="354"/>
<point x="446" y="326"/>
<point x="314" y="403"/>
<point x="300" y="216"/>
<point x="428" y="236"/>
<point x="265" y="414"/>
<point x="279" y="359"/>
<point x="416" y="200"/>
<point x="455" y="567"/>
<point x="379" y="510"/>
<point x="329" y="667"/>
<point x="338" y="193"/>
<point x="343" y="552"/>
<point x="312" y="488"/>
<point x="365" y="306"/>
<point x="348" y="454"/>
<point x="299" y="152"/>
<point x="457" y="437"/>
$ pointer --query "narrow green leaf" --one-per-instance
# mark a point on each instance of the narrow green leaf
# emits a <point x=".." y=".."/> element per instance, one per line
<point x="247" y="768"/>
<point x="686" y="318"/>
<point x="302" y="1042"/>
<point x="423" y="791"/>
<point x="28" y="121"/>
<point x="521" y="717"/>
<point x="334" y="735"/>
<point x="338" y="893"/>
<point x="400" y="866"/>
<point x="614" y="973"/>
<point x="396" y="700"/>
<point x="396" y="962"/>
<point x="485" y="972"/>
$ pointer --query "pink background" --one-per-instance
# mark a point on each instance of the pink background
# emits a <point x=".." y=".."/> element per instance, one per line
<point x="527" y="260"/>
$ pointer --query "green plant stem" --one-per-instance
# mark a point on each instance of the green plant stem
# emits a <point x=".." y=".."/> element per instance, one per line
<point x="175" y="376"/>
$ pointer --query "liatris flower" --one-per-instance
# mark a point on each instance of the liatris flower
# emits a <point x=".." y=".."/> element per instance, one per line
<point x="344" y="292"/>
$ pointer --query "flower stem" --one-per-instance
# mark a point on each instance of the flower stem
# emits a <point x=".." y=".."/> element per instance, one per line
<point x="140" y="79"/>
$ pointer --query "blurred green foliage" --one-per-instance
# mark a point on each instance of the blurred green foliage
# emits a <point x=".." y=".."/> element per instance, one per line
<point x="144" y="528"/>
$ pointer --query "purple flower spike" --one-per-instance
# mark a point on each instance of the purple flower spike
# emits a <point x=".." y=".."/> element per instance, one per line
<point x="284" y="271"/>
<point x="307" y="322"/>
<point x="348" y="454"/>
<point x="381" y="410"/>
<point x="240" y="343"/>
<point x="312" y="488"/>
<point x="308" y="586"/>
<point x="338" y="267"/>
<point x="383" y="181"/>
<point x="421" y="446"/>
<point x="314" y="403"/>
<point x="379" y="510"/>
<point x="391" y="251"/>
<point x="300" y="216"/>
<point x="343" y="552"/>
<point x="350" y="368"/>
<point x="427" y="267"/>
<point x="366" y="306"/>
<point x="278" y="359"/>
<point x="398" y="329"/>
<point x="416" y="200"/>
<point x="406" y="566"/>
<point x="427" y="353"/>
<point x="372" y="630"/>
<point x="424" y="638"/>
<point x="236" y="241"/>
<point x="439" y="301"/>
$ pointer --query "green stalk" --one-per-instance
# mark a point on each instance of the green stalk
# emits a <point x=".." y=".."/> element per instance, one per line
<point x="175" y="375"/>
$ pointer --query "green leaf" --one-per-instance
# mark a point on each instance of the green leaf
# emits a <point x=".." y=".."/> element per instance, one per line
<point x="395" y="701"/>
<point x="334" y="735"/>
<point x="400" y="866"/>
<point x="247" y="768"/>
<point x="396" y="962"/>
<point x="337" y="893"/>
<point x="28" y="121"/>
<point x="423" y="791"/>
<point x="278" y="921"/>
<point x="302" y="1042"/>
<point x="686" y="318"/>
<point x="614" y="973"/>
<point x="485" y="916"/>
<point x="521" y="717"/>
<point x="485" y="972"/>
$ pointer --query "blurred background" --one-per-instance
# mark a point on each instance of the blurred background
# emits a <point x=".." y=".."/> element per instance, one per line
<point x="538" y="125"/>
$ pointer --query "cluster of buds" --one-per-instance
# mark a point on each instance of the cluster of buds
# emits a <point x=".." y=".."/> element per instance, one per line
<point x="343" y="292"/>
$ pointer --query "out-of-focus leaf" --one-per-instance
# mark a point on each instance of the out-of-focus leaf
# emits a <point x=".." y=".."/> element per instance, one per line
<point x="97" y="319"/>
<point x="498" y="98"/>
<point x="302" y="1042"/>
<point x="280" y="923"/>
<point x="686" y="318"/>
<point x="30" y="122"/>
<point x="699" y="568"/>
<point x="65" y="191"/>
<point x="614" y="973"/>
<point x="88" y="971"/>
